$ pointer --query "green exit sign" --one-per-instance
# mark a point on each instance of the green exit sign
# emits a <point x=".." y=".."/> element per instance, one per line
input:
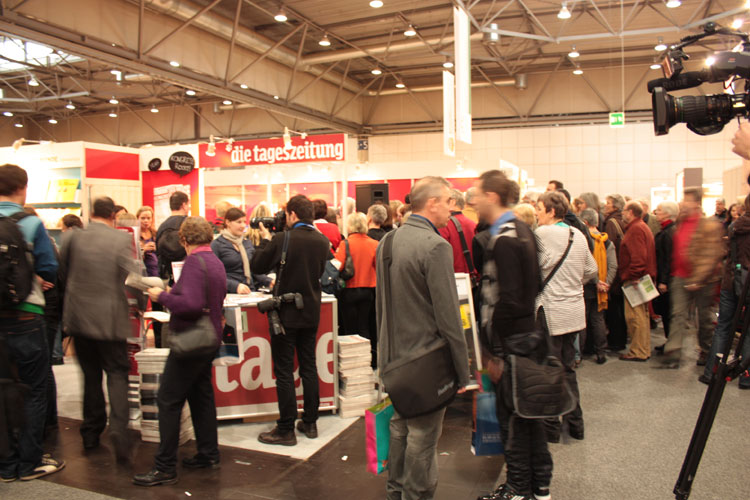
<point x="617" y="120"/>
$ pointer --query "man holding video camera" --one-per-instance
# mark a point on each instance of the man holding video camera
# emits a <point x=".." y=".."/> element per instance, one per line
<point x="294" y="314"/>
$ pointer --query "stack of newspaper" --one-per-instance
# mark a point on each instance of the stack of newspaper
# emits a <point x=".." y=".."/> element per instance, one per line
<point x="151" y="366"/>
<point x="356" y="379"/>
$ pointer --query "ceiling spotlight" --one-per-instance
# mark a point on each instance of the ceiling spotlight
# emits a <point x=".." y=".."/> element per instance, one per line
<point x="226" y="102"/>
<point x="578" y="71"/>
<point x="737" y="23"/>
<point x="492" y="37"/>
<point x="400" y="85"/>
<point x="18" y="125"/>
<point x="243" y="86"/>
<point x="174" y="64"/>
<point x="324" y="42"/>
<point x="52" y="121"/>
<point x="660" y="46"/>
<point x="211" y="149"/>
<point x="114" y="101"/>
<point x="448" y="64"/>
<point x="573" y="53"/>
<point x="281" y="16"/>
<point x="113" y="114"/>
<point x="656" y="65"/>
<point x="7" y="113"/>
<point x="33" y="82"/>
<point x="228" y="147"/>
<point x="376" y="71"/>
<point x="410" y="31"/>
<point x="673" y="4"/>
<point x="190" y="92"/>
<point x="70" y="105"/>
<point x="276" y="97"/>
<point x="154" y="109"/>
<point x="710" y="60"/>
<point x="376" y="4"/>
<point x="564" y="12"/>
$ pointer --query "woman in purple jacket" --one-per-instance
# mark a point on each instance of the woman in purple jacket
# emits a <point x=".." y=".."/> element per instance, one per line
<point x="189" y="378"/>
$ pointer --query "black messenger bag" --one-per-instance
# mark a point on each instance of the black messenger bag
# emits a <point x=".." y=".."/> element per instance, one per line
<point x="423" y="381"/>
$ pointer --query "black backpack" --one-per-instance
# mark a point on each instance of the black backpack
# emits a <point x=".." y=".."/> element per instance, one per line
<point x="16" y="263"/>
<point x="169" y="249"/>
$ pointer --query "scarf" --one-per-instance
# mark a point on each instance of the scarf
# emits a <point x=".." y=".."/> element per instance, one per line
<point x="600" y="256"/>
<point x="236" y="241"/>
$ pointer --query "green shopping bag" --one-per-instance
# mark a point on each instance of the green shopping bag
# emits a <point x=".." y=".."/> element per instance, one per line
<point x="378" y="435"/>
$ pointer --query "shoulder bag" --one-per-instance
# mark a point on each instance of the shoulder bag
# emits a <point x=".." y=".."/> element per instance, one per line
<point x="200" y="338"/>
<point x="422" y="381"/>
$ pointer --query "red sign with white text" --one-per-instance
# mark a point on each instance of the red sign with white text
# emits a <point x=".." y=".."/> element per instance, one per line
<point x="331" y="147"/>
<point x="249" y="388"/>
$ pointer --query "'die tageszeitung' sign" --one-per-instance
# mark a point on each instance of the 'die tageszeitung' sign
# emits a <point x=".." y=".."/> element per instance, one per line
<point x="317" y="148"/>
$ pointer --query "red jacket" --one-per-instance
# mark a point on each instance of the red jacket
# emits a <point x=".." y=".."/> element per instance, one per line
<point x="330" y="231"/>
<point x="450" y="233"/>
<point x="637" y="252"/>
<point x="362" y="248"/>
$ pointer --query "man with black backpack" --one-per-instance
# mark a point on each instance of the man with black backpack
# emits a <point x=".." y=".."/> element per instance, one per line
<point x="26" y="258"/>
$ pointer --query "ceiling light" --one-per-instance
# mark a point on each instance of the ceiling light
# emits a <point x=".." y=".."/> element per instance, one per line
<point x="228" y="147"/>
<point x="710" y="60"/>
<point x="226" y="102"/>
<point x="33" y="82"/>
<point x="281" y="16"/>
<point x="573" y="53"/>
<point x="376" y="4"/>
<point x="52" y="121"/>
<point x="174" y="64"/>
<point x="154" y="109"/>
<point x="113" y="115"/>
<point x="656" y="66"/>
<point x="324" y="42"/>
<point x="190" y="92"/>
<point x="243" y="86"/>
<point x="400" y="85"/>
<point x="276" y="97"/>
<point x="737" y="23"/>
<point x="287" y="139"/>
<point x="492" y="37"/>
<point x="18" y="125"/>
<point x="564" y="12"/>
<point x="673" y="4"/>
<point x="7" y="113"/>
<point x="578" y="71"/>
<point x="376" y="71"/>
<point x="114" y="101"/>
<point x="211" y="149"/>
<point x="410" y="31"/>
<point x="70" y="105"/>
<point x="660" y="46"/>
<point x="448" y="64"/>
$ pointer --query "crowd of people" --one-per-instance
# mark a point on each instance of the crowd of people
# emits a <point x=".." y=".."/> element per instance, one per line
<point x="542" y="262"/>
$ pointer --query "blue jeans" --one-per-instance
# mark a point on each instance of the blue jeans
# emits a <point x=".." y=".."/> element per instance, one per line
<point x="725" y="333"/>
<point x="27" y="345"/>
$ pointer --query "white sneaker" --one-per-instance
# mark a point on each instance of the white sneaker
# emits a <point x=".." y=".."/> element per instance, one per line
<point x="48" y="466"/>
<point x="542" y="494"/>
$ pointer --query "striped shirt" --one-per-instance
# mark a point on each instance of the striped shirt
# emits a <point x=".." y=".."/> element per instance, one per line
<point x="562" y="298"/>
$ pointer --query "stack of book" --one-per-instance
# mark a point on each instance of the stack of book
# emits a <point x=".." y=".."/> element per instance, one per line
<point x="151" y="366"/>
<point x="356" y="379"/>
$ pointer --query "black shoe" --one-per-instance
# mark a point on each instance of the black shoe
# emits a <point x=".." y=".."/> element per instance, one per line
<point x="309" y="430"/>
<point x="616" y="348"/>
<point x="57" y="361"/>
<point x="277" y="436"/>
<point x="703" y="379"/>
<point x="495" y="495"/>
<point x="653" y="324"/>
<point x="601" y="359"/>
<point x="576" y="433"/>
<point x="123" y="448"/>
<point x="744" y="387"/>
<point x="510" y="495"/>
<point x="154" y="477"/>
<point x="90" y="443"/>
<point x="702" y="359"/>
<point x="200" y="462"/>
<point x="659" y="350"/>
<point x="553" y="438"/>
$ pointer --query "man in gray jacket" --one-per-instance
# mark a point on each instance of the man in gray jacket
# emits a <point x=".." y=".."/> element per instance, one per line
<point x="424" y="303"/>
<point x="96" y="261"/>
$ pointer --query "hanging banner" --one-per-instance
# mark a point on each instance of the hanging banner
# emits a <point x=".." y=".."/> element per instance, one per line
<point x="462" y="65"/>
<point x="330" y="147"/>
<point x="449" y="114"/>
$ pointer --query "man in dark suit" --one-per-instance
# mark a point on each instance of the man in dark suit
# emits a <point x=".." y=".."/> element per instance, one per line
<point x="306" y="257"/>
<point x="96" y="261"/>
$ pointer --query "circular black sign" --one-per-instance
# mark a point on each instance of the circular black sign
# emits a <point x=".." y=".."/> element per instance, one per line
<point x="154" y="164"/>
<point x="181" y="163"/>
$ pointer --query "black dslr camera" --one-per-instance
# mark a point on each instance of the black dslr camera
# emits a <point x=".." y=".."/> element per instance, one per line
<point x="275" y="224"/>
<point x="271" y="307"/>
<point x="707" y="114"/>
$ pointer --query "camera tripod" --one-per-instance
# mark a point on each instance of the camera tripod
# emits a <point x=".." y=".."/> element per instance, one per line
<point x="724" y="371"/>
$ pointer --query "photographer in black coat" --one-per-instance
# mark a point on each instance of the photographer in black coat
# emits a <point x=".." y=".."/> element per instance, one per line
<point x="307" y="253"/>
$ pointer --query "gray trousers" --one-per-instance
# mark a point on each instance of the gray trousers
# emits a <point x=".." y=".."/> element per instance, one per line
<point x="412" y="458"/>
<point x="681" y="326"/>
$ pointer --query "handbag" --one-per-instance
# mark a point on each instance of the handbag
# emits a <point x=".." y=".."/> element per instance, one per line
<point x="378" y="435"/>
<point x="539" y="390"/>
<point x="422" y="381"/>
<point x="348" y="272"/>
<point x="199" y="339"/>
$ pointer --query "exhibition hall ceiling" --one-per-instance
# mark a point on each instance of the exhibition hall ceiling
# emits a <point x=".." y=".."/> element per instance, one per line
<point x="57" y="67"/>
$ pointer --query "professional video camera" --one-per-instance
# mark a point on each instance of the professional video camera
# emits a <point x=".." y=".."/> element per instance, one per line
<point x="271" y="307"/>
<point x="275" y="224"/>
<point x="707" y="114"/>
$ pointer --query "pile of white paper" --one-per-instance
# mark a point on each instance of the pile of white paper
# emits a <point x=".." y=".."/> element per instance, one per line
<point x="356" y="379"/>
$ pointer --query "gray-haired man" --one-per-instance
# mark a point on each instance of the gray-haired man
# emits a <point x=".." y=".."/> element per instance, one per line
<point x="376" y="216"/>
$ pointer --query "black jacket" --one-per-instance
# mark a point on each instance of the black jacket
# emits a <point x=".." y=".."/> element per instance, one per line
<point x="376" y="233"/>
<point x="232" y="260"/>
<point x="572" y="220"/>
<point x="306" y="258"/>
<point x="663" y="242"/>
<point x="739" y="232"/>
<point x="165" y="265"/>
